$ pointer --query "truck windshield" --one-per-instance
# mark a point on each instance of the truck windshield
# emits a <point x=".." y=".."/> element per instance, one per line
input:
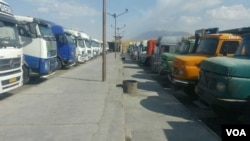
<point x="183" y="48"/>
<point x="45" y="30"/>
<point x="244" y="49"/>
<point x="69" y="39"/>
<point x="8" y="35"/>
<point x="88" y="43"/>
<point x="95" y="44"/>
<point x="207" y="46"/>
<point x="81" y="43"/>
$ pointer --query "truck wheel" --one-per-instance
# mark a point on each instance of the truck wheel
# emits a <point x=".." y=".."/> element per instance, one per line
<point x="59" y="64"/>
<point x="160" y="73"/>
<point x="147" y="62"/>
<point x="26" y="77"/>
<point x="190" y="91"/>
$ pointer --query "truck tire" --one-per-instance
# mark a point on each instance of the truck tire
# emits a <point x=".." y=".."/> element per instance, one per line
<point x="26" y="77"/>
<point x="190" y="91"/>
<point x="147" y="62"/>
<point x="59" y="64"/>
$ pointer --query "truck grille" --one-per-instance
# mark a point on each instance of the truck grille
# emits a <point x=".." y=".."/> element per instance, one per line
<point x="52" y="64"/>
<point x="51" y="47"/>
<point x="8" y="64"/>
<point x="207" y="80"/>
<point x="174" y="70"/>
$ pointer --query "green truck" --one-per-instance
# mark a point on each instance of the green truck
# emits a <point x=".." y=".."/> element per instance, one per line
<point x="186" y="47"/>
<point x="224" y="82"/>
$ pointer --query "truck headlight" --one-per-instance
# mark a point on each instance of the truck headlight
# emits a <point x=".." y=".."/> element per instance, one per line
<point x="181" y="72"/>
<point x="221" y="86"/>
<point x="47" y="65"/>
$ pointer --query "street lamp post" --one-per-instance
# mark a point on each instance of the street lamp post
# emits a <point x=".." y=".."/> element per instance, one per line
<point x="116" y="16"/>
<point x="118" y="36"/>
<point x="119" y="28"/>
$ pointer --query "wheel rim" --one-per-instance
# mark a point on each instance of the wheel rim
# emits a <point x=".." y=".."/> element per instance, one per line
<point x="59" y="64"/>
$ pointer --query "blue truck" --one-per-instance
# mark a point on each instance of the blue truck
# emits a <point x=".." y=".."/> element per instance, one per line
<point x="39" y="47"/>
<point x="65" y="47"/>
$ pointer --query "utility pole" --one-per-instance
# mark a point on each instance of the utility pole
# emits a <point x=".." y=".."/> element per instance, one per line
<point x="104" y="42"/>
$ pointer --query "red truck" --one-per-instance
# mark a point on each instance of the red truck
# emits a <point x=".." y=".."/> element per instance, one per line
<point x="150" y="50"/>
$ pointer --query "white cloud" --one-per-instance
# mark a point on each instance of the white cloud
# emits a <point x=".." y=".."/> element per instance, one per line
<point x="189" y="20"/>
<point x="69" y="10"/>
<point x="189" y="15"/>
<point x="235" y="12"/>
<point x="64" y="9"/>
<point x="42" y="10"/>
<point x="185" y="5"/>
<point x="197" y="5"/>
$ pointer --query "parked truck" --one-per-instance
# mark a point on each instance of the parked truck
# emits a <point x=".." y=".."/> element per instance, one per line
<point x="143" y="51"/>
<point x="66" y="55"/>
<point x="11" y="52"/>
<point x="82" y="43"/>
<point x="95" y="44"/>
<point x="224" y="82"/>
<point x="186" y="68"/>
<point x="163" y="44"/>
<point x="185" y="47"/>
<point x="39" y="47"/>
<point x="188" y="45"/>
<point x="151" y="44"/>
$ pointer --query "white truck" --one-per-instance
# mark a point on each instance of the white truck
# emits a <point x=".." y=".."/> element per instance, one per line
<point x="83" y="45"/>
<point x="143" y="51"/>
<point x="11" y="52"/>
<point x="96" y="45"/>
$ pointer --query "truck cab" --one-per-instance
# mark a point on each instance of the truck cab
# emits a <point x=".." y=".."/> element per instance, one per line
<point x="65" y="47"/>
<point x="135" y="52"/>
<point x="151" y="44"/>
<point x="185" y="47"/>
<point x="39" y="47"/>
<point x="82" y="44"/>
<point x="96" y="45"/>
<point x="224" y="81"/>
<point x="186" y="68"/>
<point x="163" y="44"/>
<point x="11" y="57"/>
<point x="143" y="51"/>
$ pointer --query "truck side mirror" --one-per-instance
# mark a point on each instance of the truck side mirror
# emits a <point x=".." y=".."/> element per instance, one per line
<point x="157" y="44"/>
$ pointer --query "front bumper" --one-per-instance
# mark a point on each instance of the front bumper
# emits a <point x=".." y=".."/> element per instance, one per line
<point x="237" y="105"/>
<point x="180" y="82"/>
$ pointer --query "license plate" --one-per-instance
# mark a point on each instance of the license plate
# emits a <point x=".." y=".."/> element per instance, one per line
<point x="12" y="80"/>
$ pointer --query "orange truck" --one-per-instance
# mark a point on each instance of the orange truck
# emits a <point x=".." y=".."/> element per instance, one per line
<point x="151" y="43"/>
<point x="186" y="68"/>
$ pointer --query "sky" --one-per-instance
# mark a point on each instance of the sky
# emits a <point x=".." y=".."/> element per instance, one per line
<point x="142" y="15"/>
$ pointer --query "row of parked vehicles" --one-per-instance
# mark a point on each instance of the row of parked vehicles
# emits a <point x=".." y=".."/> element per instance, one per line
<point x="32" y="47"/>
<point x="211" y="66"/>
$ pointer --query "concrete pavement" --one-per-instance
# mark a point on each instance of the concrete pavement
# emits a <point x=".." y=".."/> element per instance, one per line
<point x="78" y="106"/>
<point x="75" y="106"/>
<point x="153" y="114"/>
